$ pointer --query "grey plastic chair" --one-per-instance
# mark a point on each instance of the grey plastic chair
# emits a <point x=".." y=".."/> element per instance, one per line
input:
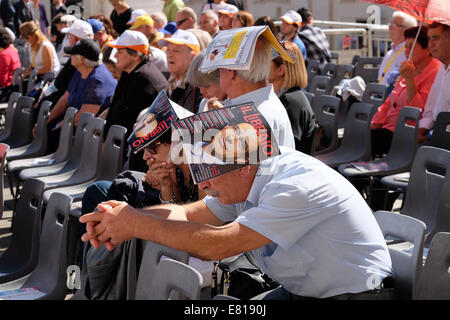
<point x="343" y="71"/>
<point x="312" y="69"/>
<point x="327" y="110"/>
<point x="434" y="283"/>
<point x="22" y="254"/>
<point x="224" y="297"/>
<point x="90" y="163"/>
<point x="3" y="152"/>
<point x="39" y="144"/>
<point x="18" y="79"/>
<point x="425" y="187"/>
<point x="367" y="68"/>
<point x="375" y="93"/>
<point x="151" y="258"/>
<point x="6" y="121"/>
<point x="406" y="266"/>
<point x="71" y="163"/>
<point x="49" y="276"/>
<point x="320" y="85"/>
<point x="441" y="131"/>
<point x="22" y="124"/>
<point x="31" y="80"/>
<point x="174" y="275"/>
<point x="112" y="156"/>
<point x="335" y="57"/>
<point x="356" y="144"/>
<point x="329" y="70"/>
<point x="401" y="154"/>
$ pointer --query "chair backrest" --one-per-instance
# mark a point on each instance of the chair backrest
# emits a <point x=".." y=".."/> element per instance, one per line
<point x="343" y="71"/>
<point x="367" y="68"/>
<point x="320" y="85"/>
<point x="406" y="266"/>
<point x="18" y="79"/>
<point x="313" y="69"/>
<point x="327" y="115"/>
<point x="404" y="141"/>
<point x="31" y="80"/>
<point x="66" y="136"/>
<point x="48" y="77"/>
<point x="10" y="113"/>
<point x="21" y="131"/>
<point x="175" y="275"/>
<point x="113" y="152"/>
<point x="329" y="70"/>
<point x="335" y="57"/>
<point x="91" y="154"/>
<point x="434" y="283"/>
<point x="49" y="276"/>
<point x="441" y="131"/>
<point x="425" y="184"/>
<point x="375" y="93"/>
<point x="78" y="139"/>
<point x="150" y="259"/>
<point x="23" y="251"/>
<point x="357" y="131"/>
<point x="3" y="152"/>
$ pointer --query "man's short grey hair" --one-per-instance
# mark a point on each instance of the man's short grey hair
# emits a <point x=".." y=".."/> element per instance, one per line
<point x="189" y="12"/>
<point x="408" y="21"/>
<point x="210" y="14"/>
<point x="260" y="66"/>
<point x="159" y="17"/>
<point x="93" y="64"/>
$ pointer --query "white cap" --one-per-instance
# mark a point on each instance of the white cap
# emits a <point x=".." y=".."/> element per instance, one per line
<point x="134" y="40"/>
<point x="292" y="17"/>
<point x="68" y="18"/>
<point x="136" y="13"/>
<point x="229" y="10"/>
<point x="80" y="29"/>
<point x="182" y="37"/>
<point x="11" y="33"/>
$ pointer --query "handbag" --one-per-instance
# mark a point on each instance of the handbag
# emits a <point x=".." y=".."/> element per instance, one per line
<point x="241" y="277"/>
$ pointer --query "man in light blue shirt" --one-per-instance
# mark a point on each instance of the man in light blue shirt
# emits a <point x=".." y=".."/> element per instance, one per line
<point x="309" y="228"/>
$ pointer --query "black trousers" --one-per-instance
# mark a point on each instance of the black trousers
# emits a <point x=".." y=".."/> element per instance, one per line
<point x="381" y="141"/>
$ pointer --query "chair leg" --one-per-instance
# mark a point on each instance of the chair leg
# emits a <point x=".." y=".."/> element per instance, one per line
<point x="10" y="183"/>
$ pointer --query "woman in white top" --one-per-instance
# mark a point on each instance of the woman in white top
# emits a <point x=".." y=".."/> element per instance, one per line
<point x="215" y="5"/>
<point x="43" y="55"/>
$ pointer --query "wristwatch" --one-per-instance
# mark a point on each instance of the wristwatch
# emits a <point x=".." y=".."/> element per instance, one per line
<point x="173" y="200"/>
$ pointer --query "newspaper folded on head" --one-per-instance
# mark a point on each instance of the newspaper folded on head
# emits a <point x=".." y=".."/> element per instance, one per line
<point x="155" y="122"/>
<point x="233" y="49"/>
<point x="224" y="140"/>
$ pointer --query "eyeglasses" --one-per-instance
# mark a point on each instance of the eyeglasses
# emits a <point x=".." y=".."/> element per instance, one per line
<point x="179" y="23"/>
<point x="152" y="148"/>
<point x="395" y="24"/>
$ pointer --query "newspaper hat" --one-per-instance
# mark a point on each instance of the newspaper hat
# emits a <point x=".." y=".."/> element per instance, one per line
<point x="143" y="20"/>
<point x="292" y="17"/>
<point x="134" y="14"/>
<point x="134" y="40"/>
<point x="184" y="38"/>
<point x="220" y="141"/>
<point x="228" y="10"/>
<point x="80" y="29"/>
<point x="233" y="49"/>
<point x="155" y="121"/>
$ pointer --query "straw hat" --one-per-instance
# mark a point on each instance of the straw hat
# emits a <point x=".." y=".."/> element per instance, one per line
<point x="28" y="28"/>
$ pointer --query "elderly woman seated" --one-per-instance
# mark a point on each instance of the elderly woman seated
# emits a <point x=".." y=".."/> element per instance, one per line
<point x="90" y="90"/>
<point x="412" y="89"/>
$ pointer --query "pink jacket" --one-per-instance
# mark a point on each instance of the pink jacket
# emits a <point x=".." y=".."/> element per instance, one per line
<point x="388" y="112"/>
<point x="9" y="61"/>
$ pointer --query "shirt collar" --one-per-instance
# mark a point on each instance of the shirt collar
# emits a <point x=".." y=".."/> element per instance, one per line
<point x="256" y="96"/>
<point x="174" y="83"/>
<point x="397" y="47"/>
<point x="261" y="179"/>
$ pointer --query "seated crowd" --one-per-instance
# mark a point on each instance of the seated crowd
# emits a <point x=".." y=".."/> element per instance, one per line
<point x="303" y="213"/>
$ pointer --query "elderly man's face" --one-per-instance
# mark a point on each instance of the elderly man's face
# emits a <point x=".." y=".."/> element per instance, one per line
<point x="183" y="21"/>
<point x="225" y="21"/>
<point x="178" y="59"/>
<point x="439" y="44"/>
<point x="396" y="30"/>
<point x="207" y="24"/>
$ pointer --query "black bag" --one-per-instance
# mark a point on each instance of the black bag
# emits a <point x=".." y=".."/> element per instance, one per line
<point x="241" y="277"/>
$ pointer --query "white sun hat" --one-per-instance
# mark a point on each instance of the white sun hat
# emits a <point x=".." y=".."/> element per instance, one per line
<point x="134" y="40"/>
<point x="182" y="37"/>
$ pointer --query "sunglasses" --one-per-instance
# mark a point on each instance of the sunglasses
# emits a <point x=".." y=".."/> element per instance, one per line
<point x="179" y="23"/>
<point x="152" y="148"/>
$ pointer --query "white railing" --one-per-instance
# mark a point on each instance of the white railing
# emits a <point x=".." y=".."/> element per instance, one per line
<point x="368" y="40"/>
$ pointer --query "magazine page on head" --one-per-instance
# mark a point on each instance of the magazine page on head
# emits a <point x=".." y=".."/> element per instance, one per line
<point x="234" y="48"/>
<point x="220" y="141"/>
<point x="155" y="121"/>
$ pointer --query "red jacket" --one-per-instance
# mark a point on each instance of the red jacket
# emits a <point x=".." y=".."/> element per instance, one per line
<point x="9" y="61"/>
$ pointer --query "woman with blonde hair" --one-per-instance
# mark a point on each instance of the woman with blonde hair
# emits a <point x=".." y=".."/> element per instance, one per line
<point x="43" y="55"/>
<point x="288" y="79"/>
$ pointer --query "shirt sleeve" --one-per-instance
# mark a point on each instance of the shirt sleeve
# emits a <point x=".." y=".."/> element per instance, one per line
<point x="4" y="63"/>
<point x="380" y="116"/>
<point x="427" y="117"/>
